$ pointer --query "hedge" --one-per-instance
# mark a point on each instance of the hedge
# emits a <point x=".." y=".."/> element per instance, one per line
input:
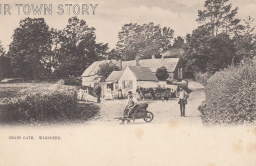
<point x="59" y="105"/>
<point x="231" y="96"/>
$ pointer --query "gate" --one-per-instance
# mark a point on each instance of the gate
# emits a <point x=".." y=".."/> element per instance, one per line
<point x="83" y="94"/>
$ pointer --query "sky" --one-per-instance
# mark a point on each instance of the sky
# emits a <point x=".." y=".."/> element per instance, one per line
<point x="111" y="15"/>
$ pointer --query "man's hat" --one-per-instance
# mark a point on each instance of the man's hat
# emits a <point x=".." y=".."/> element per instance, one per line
<point x="130" y="92"/>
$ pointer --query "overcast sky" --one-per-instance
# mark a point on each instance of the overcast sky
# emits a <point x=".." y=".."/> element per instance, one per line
<point x="111" y="15"/>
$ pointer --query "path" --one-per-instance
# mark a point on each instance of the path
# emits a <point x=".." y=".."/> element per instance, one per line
<point x="164" y="112"/>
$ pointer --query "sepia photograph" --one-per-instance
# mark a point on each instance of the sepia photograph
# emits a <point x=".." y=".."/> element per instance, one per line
<point x="128" y="83"/>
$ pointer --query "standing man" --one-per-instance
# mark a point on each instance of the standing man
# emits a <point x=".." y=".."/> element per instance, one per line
<point x="98" y="92"/>
<point x="183" y="96"/>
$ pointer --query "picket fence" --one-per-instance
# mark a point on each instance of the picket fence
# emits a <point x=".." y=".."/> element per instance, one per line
<point x="82" y="94"/>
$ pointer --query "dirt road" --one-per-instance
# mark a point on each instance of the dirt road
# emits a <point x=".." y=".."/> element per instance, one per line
<point x="164" y="111"/>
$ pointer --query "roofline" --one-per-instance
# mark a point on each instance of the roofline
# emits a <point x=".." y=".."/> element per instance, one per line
<point x="110" y="81"/>
<point x="91" y="70"/>
<point x="154" y="59"/>
<point x="137" y="66"/>
<point x="148" y="80"/>
<point x="96" y="62"/>
<point x="90" y="75"/>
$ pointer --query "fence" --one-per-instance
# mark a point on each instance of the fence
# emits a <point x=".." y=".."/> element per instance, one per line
<point x="83" y="94"/>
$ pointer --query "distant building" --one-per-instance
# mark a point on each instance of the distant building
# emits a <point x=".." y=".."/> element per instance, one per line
<point x="174" y="67"/>
<point x="89" y="77"/>
<point x="136" y="76"/>
<point x="112" y="82"/>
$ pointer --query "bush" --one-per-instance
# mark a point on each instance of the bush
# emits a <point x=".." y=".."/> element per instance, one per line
<point x="230" y="96"/>
<point x="162" y="73"/>
<point x="202" y="77"/>
<point x="46" y="105"/>
<point x="73" y="82"/>
<point x="41" y="107"/>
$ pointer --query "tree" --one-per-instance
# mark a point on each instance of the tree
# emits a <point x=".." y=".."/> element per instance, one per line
<point x="206" y="53"/>
<point x="106" y="69"/>
<point x="77" y="48"/>
<point x="244" y="40"/>
<point x="178" y="42"/>
<point x="2" y="51"/>
<point x="143" y="40"/>
<point x="162" y="73"/>
<point x="4" y="63"/>
<point x="210" y="47"/>
<point x="218" y="17"/>
<point x="31" y="43"/>
<point x="195" y="59"/>
<point x="113" y="54"/>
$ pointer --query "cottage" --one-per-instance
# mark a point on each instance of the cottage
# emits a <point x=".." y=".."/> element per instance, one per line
<point x="174" y="67"/>
<point x="89" y="77"/>
<point x="169" y="60"/>
<point x="111" y="83"/>
<point x="137" y="76"/>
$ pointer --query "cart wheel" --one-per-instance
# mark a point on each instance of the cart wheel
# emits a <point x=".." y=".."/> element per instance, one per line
<point x="149" y="117"/>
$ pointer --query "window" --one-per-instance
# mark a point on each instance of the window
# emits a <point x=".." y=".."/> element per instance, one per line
<point x="127" y="84"/>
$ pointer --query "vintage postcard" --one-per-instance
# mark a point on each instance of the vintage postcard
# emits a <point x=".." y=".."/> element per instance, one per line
<point x="128" y="83"/>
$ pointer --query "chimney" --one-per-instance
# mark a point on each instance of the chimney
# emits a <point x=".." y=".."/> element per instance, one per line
<point x="137" y="61"/>
<point x="153" y="56"/>
<point x="120" y="64"/>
